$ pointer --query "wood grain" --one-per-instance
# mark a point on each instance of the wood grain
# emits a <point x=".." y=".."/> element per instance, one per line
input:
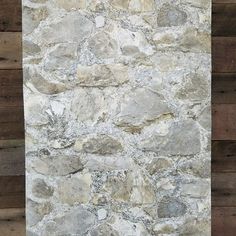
<point x="12" y="222"/>
<point x="223" y="221"/>
<point x="12" y="193"/>
<point x="12" y="130"/>
<point x="224" y="88"/>
<point x="223" y="156"/>
<point x="10" y="15"/>
<point x="224" y="1"/>
<point x="224" y="54"/>
<point x="10" y="50"/>
<point x="224" y="122"/>
<point x="224" y="189"/>
<point x="224" y="19"/>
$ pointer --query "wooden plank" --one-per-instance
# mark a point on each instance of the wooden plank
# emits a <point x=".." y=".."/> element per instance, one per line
<point x="224" y="122"/>
<point x="223" y="189"/>
<point x="10" y="50"/>
<point x="12" y="194"/>
<point x="11" y="114"/>
<point x="223" y="156"/>
<point x="224" y="19"/>
<point x="223" y="221"/>
<point x="12" y="130"/>
<point x="224" y="88"/>
<point x="12" y="161"/>
<point x="12" y="143"/>
<point x="224" y="1"/>
<point x="224" y="54"/>
<point x="10" y="15"/>
<point x="12" y="222"/>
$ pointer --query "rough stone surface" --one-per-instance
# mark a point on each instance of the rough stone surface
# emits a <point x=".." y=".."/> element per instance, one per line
<point x="117" y="117"/>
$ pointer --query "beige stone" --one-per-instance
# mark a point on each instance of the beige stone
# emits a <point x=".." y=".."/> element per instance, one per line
<point x="71" y="4"/>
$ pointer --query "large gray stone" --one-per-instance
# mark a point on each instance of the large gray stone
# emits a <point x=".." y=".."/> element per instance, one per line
<point x="183" y="138"/>
<point x="141" y="107"/>
<point x="104" y="229"/>
<point x="41" y="189"/>
<point x="171" y="207"/>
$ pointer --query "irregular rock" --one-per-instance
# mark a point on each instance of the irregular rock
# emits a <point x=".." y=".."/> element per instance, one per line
<point x="89" y="105"/>
<point x="42" y="85"/>
<point x="196" y="189"/>
<point x="170" y="15"/>
<point x="102" y="75"/>
<point x="102" y="214"/>
<point x="204" y="118"/>
<point x="40" y="189"/>
<point x="100" y="21"/>
<point x="77" y="221"/>
<point x="194" y="87"/>
<point x="100" y="144"/>
<point x="158" y="165"/>
<point x="71" y="4"/>
<point x="140" y="108"/>
<point x="199" y="3"/>
<point x="36" y="211"/>
<point x="183" y="138"/>
<point x="63" y="57"/>
<point x="58" y="165"/>
<point x="30" y="48"/>
<point x="171" y="207"/>
<point x="75" y="190"/>
<point x="32" y="18"/>
<point x="104" y="229"/>
<point x="164" y="228"/>
<point x="103" y="46"/>
<point x="72" y="28"/>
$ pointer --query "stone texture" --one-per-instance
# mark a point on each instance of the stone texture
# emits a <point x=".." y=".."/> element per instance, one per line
<point x="40" y="189"/>
<point x="117" y="117"/>
<point x="171" y="207"/>
<point x="102" y="75"/>
<point x="100" y="144"/>
<point x="141" y="107"/>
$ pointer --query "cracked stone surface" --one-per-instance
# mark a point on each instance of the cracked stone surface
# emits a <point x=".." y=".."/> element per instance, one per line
<point x="117" y="114"/>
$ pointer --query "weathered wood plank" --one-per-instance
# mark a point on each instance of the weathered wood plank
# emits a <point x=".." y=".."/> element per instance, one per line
<point x="223" y="19"/>
<point x="224" y="88"/>
<point x="224" y="54"/>
<point x="10" y="15"/>
<point x="11" y="114"/>
<point x="223" y="221"/>
<point x="12" y="192"/>
<point x="224" y="122"/>
<point x="10" y="50"/>
<point x="224" y="1"/>
<point x="12" y="161"/>
<point x="223" y="156"/>
<point x="223" y="189"/>
<point x="12" y="222"/>
<point x="12" y="130"/>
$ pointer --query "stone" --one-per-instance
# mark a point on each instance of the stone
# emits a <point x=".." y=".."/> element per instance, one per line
<point x="170" y="15"/>
<point x="198" y="3"/>
<point x="75" y="189"/>
<point x="194" y="87"/>
<point x="183" y="139"/>
<point x="42" y="85"/>
<point x="36" y="211"/>
<point x="158" y="165"/>
<point x="73" y="28"/>
<point x="204" y="118"/>
<point x="141" y="107"/>
<point x="198" y="168"/>
<point x="57" y="165"/>
<point x="164" y="228"/>
<point x="41" y="189"/>
<point x="196" y="189"/>
<point x="78" y="221"/>
<point x="89" y="105"/>
<point x="62" y="57"/>
<point x="71" y="4"/>
<point x="170" y="207"/>
<point x="103" y="46"/>
<point x="30" y="48"/>
<point x="104" y="229"/>
<point x="100" y="21"/>
<point x="102" y="214"/>
<point x="38" y="1"/>
<point x="102" y="75"/>
<point x="100" y="145"/>
<point x="33" y="17"/>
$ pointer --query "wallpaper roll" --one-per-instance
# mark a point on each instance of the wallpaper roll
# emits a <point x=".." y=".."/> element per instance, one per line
<point x="117" y="112"/>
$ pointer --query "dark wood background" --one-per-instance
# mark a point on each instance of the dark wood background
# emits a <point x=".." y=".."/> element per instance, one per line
<point x="224" y="118"/>
<point x="12" y="180"/>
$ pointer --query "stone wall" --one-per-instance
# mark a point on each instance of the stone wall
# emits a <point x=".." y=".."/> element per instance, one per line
<point x="117" y="110"/>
